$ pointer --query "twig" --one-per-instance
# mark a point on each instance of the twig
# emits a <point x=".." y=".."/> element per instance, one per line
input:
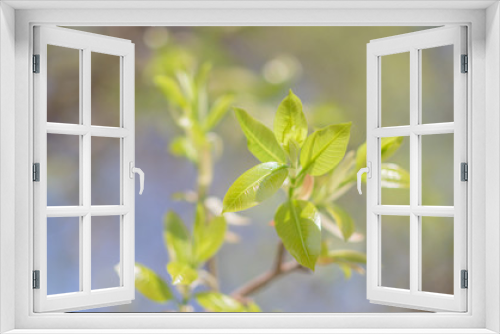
<point x="261" y="281"/>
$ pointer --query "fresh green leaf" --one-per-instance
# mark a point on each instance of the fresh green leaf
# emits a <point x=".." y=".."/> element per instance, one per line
<point x="254" y="186"/>
<point x="343" y="256"/>
<point x="182" y="147"/>
<point x="290" y="121"/>
<point x="298" y="225"/>
<point x="208" y="238"/>
<point x="343" y="220"/>
<point x="252" y="307"/>
<point x="218" y="302"/>
<point x="218" y="111"/>
<point x="325" y="148"/>
<point x="171" y="90"/>
<point x="260" y="140"/>
<point x="203" y="74"/>
<point x="176" y="237"/>
<point x="151" y="285"/>
<point x="182" y="273"/>
<point x="394" y="176"/>
<point x="388" y="146"/>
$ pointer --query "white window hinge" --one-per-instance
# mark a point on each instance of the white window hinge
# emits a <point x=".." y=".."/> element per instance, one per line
<point x="36" y="63"/>
<point x="36" y="172"/>
<point x="36" y="279"/>
<point x="464" y="172"/>
<point x="465" y="279"/>
<point x="465" y="64"/>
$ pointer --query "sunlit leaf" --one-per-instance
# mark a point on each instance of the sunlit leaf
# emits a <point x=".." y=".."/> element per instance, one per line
<point x="260" y="140"/>
<point x="176" y="237"/>
<point x="209" y="238"/>
<point x="343" y="256"/>
<point x="254" y="186"/>
<point x="218" y="111"/>
<point x="388" y="146"/>
<point x="214" y="205"/>
<point x="151" y="285"/>
<point x="218" y="302"/>
<point x="298" y="225"/>
<point x="343" y="220"/>
<point x="394" y="176"/>
<point x="172" y="91"/>
<point x="252" y="307"/>
<point x="181" y="273"/>
<point x="182" y="147"/>
<point x="290" y="121"/>
<point x="203" y="74"/>
<point x="325" y="148"/>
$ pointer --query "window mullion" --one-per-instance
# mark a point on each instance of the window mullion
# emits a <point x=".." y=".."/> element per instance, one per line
<point x="86" y="165"/>
<point x="414" y="171"/>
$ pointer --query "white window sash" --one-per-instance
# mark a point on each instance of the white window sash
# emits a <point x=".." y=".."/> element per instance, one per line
<point x="414" y="297"/>
<point x="86" y="43"/>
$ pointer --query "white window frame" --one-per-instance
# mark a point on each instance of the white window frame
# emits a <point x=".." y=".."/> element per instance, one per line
<point x="86" y="44"/>
<point x="16" y="217"/>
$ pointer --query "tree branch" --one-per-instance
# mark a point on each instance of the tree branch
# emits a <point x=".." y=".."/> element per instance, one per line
<point x="261" y="281"/>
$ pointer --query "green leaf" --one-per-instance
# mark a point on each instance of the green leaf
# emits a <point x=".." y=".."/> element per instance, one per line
<point x="151" y="285"/>
<point x="171" y="90"/>
<point x="298" y="225"/>
<point x="252" y="307"/>
<point x="182" y="273"/>
<point x="176" y="237"/>
<point x="325" y="148"/>
<point x="203" y="74"/>
<point x="254" y="186"/>
<point x="182" y="147"/>
<point x="394" y="176"/>
<point x="208" y="238"/>
<point x="388" y="146"/>
<point x="290" y="122"/>
<point x="218" y="111"/>
<point x="218" y="302"/>
<point x="343" y="256"/>
<point x="343" y="220"/>
<point x="260" y="140"/>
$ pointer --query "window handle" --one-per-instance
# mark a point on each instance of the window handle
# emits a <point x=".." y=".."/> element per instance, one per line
<point x="141" y="175"/>
<point x="368" y="171"/>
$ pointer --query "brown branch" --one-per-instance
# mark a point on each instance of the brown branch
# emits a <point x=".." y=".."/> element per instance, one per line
<point x="261" y="281"/>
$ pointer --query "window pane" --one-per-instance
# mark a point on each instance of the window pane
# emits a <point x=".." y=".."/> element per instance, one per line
<point x="105" y="171"/>
<point x="105" y="89"/>
<point x="394" y="175"/>
<point x="395" y="89"/>
<point x="105" y="251"/>
<point x="63" y="171"/>
<point x="437" y="84"/>
<point x="437" y="254"/>
<point x="395" y="263"/>
<point x="63" y="85"/>
<point x="437" y="169"/>
<point x="63" y="255"/>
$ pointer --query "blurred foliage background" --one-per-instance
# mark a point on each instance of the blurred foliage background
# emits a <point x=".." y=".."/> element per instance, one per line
<point x="326" y="67"/>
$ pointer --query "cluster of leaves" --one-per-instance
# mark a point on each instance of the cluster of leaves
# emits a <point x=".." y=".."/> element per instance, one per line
<point x="186" y="91"/>
<point x="314" y="171"/>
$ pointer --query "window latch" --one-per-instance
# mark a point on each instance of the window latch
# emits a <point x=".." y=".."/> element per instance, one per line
<point x="134" y="170"/>
<point x="368" y="171"/>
